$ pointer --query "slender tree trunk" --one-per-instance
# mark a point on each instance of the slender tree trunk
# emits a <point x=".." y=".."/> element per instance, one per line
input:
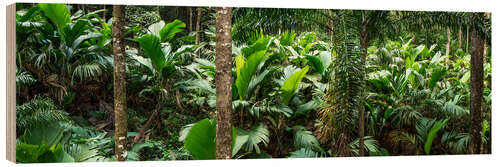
<point x="460" y="37"/>
<point x="119" y="84"/>
<point x="197" y="28"/>
<point x="476" y="92"/>
<point x="331" y="25"/>
<point x="364" y="45"/>
<point x="485" y="53"/>
<point x="190" y="19"/>
<point x="223" y="82"/>
<point x="447" y="43"/>
<point x="104" y="13"/>
<point x="467" y="41"/>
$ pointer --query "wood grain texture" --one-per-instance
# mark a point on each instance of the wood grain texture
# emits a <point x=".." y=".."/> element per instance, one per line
<point x="11" y="82"/>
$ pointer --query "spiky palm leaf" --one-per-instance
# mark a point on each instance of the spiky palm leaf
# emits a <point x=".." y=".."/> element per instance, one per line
<point x="343" y="97"/>
<point x="38" y="111"/>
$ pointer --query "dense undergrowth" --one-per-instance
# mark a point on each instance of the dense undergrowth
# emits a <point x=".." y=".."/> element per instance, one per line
<point x="294" y="93"/>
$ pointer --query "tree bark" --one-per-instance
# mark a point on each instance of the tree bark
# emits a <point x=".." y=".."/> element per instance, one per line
<point x="197" y="28"/>
<point x="467" y="41"/>
<point x="223" y="82"/>
<point x="459" y="37"/>
<point x="331" y="25"/>
<point x="476" y="92"/>
<point x="190" y="19"/>
<point x="364" y="45"/>
<point x="447" y="43"/>
<point x="119" y="84"/>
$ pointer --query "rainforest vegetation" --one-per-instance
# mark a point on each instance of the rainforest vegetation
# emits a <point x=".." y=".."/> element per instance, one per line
<point x="147" y="83"/>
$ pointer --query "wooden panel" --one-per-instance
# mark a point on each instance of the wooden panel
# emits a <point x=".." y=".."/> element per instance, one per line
<point x="11" y="82"/>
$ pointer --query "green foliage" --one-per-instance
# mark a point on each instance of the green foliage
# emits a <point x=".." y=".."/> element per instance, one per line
<point x="246" y="71"/>
<point x="37" y="112"/>
<point x="291" y="85"/>
<point x="305" y="139"/>
<point x="23" y="78"/>
<point x="250" y="140"/>
<point x="411" y="92"/>
<point x="432" y="134"/>
<point x="42" y="144"/>
<point x="151" y="46"/>
<point x="58" y="14"/>
<point x="303" y="153"/>
<point x="168" y="32"/>
<point x="200" y="140"/>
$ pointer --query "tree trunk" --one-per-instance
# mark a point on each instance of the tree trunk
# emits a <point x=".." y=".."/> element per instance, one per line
<point x="197" y="28"/>
<point x="104" y="13"/>
<point x="364" y="45"/>
<point x="447" y="43"/>
<point x="223" y="82"/>
<point x="476" y="92"/>
<point x="331" y="25"/>
<point x="467" y="41"/>
<point x="190" y="19"/>
<point x="460" y="37"/>
<point x="119" y="84"/>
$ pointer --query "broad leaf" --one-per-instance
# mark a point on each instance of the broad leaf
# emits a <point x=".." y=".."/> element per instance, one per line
<point x="57" y="13"/>
<point x="168" y="32"/>
<point x="432" y="134"/>
<point x="435" y="77"/>
<point x="316" y="63"/>
<point x="156" y="28"/>
<point x="247" y="72"/>
<point x="291" y="85"/>
<point x="151" y="46"/>
<point x="200" y="140"/>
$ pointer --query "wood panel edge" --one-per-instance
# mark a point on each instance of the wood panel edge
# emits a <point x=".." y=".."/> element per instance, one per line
<point x="11" y="82"/>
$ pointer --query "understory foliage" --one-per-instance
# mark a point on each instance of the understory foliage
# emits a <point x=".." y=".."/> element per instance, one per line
<point x="298" y="89"/>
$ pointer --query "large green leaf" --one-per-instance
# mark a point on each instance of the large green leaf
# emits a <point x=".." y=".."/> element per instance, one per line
<point x="29" y="153"/>
<point x="82" y="38"/>
<point x="155" y="28"/>
<point x="57" y="14"/>
<point x="315" y="62"/>
<point x="435" y="77"/>
<point x="168" y="32"/>
<point x="320" y="62"/>
<point x="144" y="61"/>
<point x="259" y="78"/>
<point x="151" y="46"/>
<point x="200" y="140"/>
<point x="261" y="44"/>
<point x="49" y="134"/>
<point x="432" y="134"/>
<point x="291" y="85"/>
<point x="247" y="71"/>
<point x="56" y="154"/>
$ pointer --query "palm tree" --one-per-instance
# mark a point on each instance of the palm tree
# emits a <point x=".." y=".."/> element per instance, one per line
<point x="223" y="79"/>
<point x="480" y="27"/>
<point x="344" y="94"/>
<point x="119" y="88"/>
